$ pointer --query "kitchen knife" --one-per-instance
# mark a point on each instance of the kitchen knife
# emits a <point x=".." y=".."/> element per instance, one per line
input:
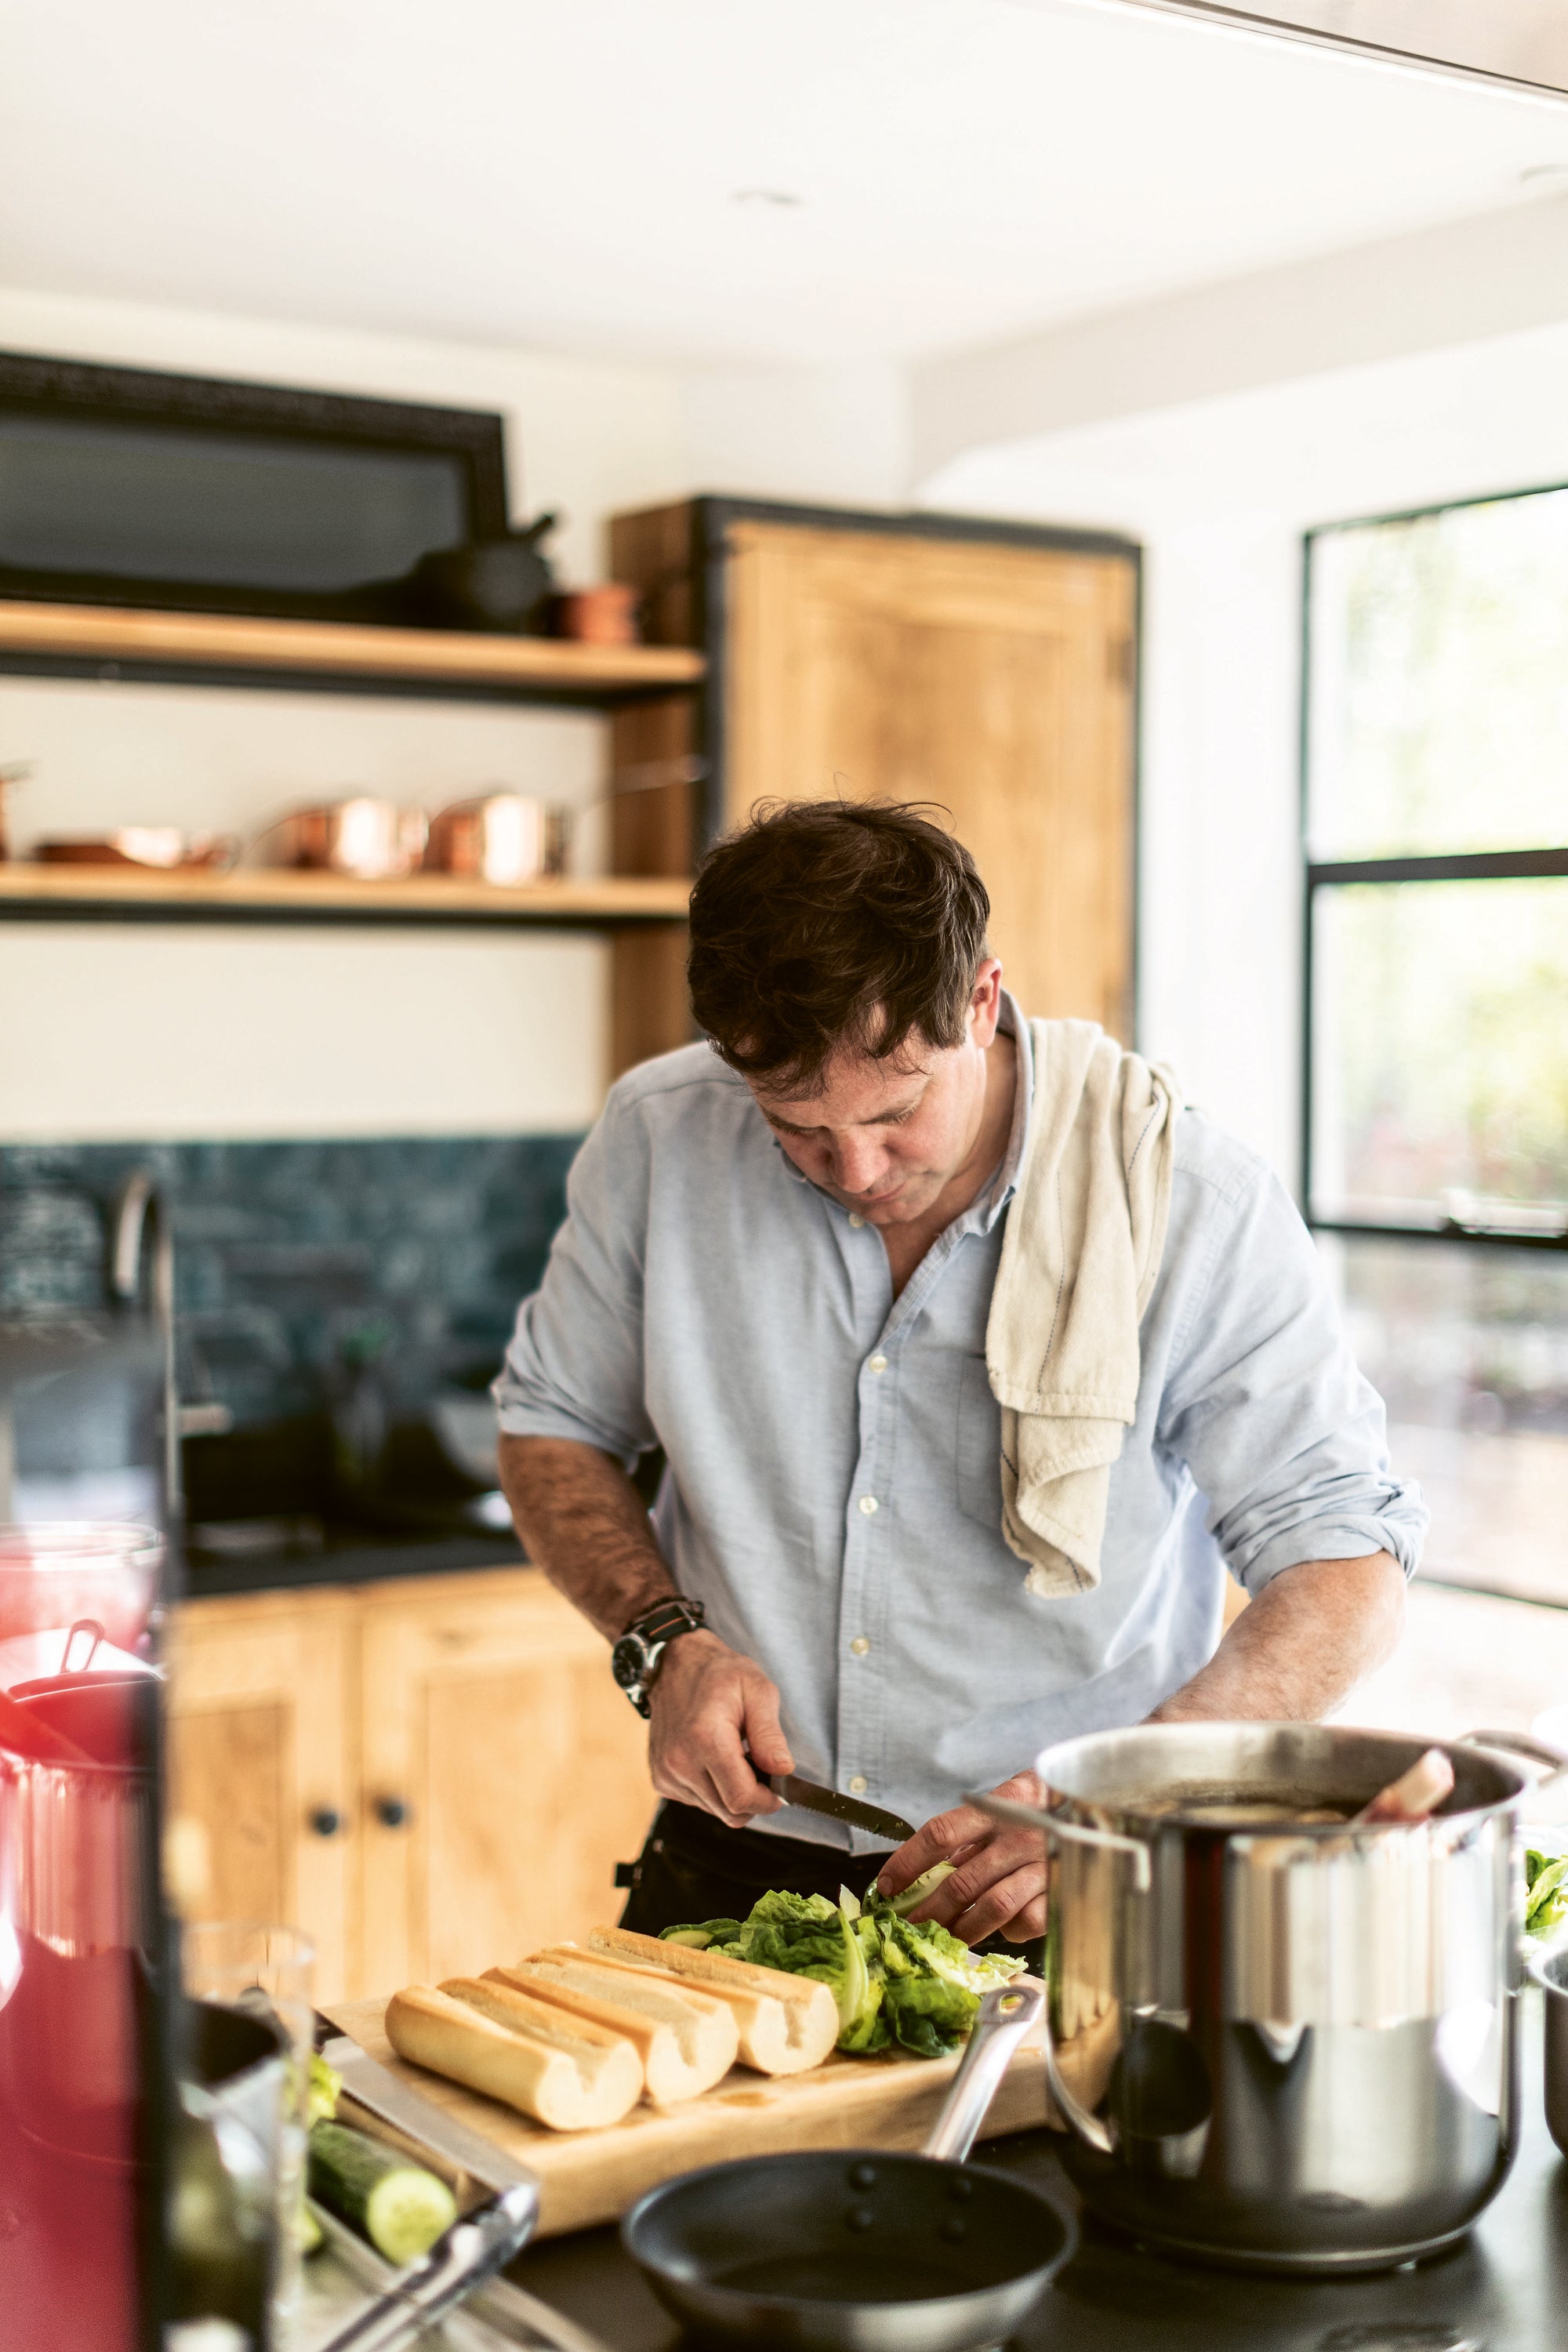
<point x="366" y="2080"/>
<point x="815" y="1800"/>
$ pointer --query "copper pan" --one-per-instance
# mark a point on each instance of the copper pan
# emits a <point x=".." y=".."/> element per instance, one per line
<point x="369" y="838"/>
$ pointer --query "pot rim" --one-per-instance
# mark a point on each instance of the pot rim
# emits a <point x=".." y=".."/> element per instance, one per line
<point x="1123" y="1810"/>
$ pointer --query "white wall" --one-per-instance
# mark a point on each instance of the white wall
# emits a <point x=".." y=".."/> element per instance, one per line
<point x="1220" y="493"/>
<point x="106" y="1031"/>
<point x="211" y="1032"/>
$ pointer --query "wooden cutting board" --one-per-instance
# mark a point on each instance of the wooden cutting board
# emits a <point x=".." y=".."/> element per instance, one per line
<point x="594" y="2176"/>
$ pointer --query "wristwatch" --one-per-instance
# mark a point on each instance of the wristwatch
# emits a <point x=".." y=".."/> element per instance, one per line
<point x="635" y="1659"/>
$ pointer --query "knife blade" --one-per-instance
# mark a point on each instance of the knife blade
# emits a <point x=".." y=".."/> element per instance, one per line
<point x="817" y="1799"/>
<point x="375" y="2087"/>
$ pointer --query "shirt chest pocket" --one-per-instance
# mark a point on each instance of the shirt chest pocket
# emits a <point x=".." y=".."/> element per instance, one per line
<point x="977" y="1445"/>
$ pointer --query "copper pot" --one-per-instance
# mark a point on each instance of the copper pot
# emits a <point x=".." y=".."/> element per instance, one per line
<point x="503" y="838"/>
<point x="371" y="839"/>
<point x="164" y="848"/>
<point x="602" y="616"/>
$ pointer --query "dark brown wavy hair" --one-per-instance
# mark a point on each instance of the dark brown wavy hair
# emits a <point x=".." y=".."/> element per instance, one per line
<point x="825" y="926"/>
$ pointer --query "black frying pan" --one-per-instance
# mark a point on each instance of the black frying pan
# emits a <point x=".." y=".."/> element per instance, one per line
<point x="854" y="2250"/>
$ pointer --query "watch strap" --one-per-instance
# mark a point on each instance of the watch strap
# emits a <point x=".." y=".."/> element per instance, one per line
<point x="674" y="1615"/>
<point x="636" y="1655"/>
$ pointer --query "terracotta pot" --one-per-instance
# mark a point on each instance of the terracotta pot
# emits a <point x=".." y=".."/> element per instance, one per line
<point x="604" y="615"/>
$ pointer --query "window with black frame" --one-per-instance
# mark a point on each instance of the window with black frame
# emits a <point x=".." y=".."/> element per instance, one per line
<point x="1436" y="1112"/>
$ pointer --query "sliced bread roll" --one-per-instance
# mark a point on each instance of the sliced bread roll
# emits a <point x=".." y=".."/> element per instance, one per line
<point x="685" y="2038"/>
<point x="786" y="2024"/>
<point x="568" y="2072"/>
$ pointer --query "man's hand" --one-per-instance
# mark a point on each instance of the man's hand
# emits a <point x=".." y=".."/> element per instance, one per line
<point x="709" y="1707"/>
<point x="999" y="1884"/>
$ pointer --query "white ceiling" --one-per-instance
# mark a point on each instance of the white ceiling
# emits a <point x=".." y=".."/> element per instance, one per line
<point x="562" y="173"/>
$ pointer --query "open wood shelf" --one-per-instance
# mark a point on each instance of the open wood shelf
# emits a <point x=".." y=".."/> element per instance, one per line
<point x="223" y="649"/>
<point x="249" y="895"/>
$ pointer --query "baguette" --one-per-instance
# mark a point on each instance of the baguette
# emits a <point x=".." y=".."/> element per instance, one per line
<point x="686" y="2040"/>
<point x="786" y="2024"/>
<point x="572" y="2075"/>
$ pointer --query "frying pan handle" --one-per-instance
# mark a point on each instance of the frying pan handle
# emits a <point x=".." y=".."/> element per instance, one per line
<point x="1006" y="2014"/>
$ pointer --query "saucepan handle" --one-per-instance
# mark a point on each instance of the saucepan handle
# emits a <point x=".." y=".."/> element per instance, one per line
<point x="1006" y="2013"/>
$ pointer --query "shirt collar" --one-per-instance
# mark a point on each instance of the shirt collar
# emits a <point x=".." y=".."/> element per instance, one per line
<point x="989" y="1204"/>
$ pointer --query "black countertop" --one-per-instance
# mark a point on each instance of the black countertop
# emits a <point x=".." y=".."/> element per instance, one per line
<point x="1505" y="2290"/>
<point x="347" y="1557"/>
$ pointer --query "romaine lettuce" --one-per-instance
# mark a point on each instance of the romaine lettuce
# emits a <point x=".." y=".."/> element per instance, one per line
<point x="894" y="1978"/>
<point x="1545" y="1892"/>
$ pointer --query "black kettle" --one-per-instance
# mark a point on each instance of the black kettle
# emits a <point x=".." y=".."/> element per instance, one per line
<point x="491" y="583"/>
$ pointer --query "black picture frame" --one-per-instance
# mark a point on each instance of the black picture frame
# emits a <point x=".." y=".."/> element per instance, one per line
<point x="211" y="406"/>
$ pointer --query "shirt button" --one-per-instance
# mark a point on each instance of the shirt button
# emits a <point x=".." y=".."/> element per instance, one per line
<point x="860" y="1646"/>
<point x="856" y="1784"/>
<point x="875" y="1363"/>
<point x="868" y="1506"/>
<point x="856" y="1219"/>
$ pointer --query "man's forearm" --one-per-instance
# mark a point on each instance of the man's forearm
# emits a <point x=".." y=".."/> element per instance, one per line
<point x="1296" y="1650"/>
<point x="715" y="1724"/>
<point x="583" y="1523"/>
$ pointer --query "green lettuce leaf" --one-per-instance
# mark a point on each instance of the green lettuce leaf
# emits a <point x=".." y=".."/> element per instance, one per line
<point x="1546" y="1892"/>
<point x="894" y="1981"/>
<point x="929" y="2014"/>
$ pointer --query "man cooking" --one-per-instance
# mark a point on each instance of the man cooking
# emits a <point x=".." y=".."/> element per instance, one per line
<point x="975" y="1361"/>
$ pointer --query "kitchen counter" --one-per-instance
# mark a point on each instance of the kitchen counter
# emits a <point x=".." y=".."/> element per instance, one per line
<point x="347" y="1557"/>
<point x="1506" y="2290"/>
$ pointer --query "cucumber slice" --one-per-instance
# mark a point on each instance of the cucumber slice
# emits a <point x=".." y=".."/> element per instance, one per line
<point x="398" y="2206"/>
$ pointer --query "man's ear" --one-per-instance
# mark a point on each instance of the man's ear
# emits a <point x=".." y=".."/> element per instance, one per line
<point x="985" y="1003"/>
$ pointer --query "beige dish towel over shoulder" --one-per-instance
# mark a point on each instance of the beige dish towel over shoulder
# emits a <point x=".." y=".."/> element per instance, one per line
<point x="1084" y="1237"/>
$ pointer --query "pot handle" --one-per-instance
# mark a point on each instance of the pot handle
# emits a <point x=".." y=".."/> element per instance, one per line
<point x="1519" y="1743"/>
<point x="1088" y="2125"/>
<point x="1003" y="1809"/>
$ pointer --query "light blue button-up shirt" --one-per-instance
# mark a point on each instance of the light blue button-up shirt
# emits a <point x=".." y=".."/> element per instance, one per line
<point x="833" y="1493"/>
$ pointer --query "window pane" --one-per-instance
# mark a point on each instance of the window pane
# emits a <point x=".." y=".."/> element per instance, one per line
<point x="1469" y="1349"/>
<point x="1438" y="696"/>
<point x="1440" y="1053"/>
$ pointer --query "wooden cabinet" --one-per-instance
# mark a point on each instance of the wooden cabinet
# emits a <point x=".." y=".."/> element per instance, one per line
<point x="504" y="1776"/>
<point x="996" y="681"/>
<point x="989" y="669"/>
<point x="262" y="1749"/>
<point x="429" y="1777"/>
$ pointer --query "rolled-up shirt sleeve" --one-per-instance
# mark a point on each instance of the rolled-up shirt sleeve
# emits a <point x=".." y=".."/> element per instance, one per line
<point x="1283" y="1436"/>
<point x="574" y="1367"/>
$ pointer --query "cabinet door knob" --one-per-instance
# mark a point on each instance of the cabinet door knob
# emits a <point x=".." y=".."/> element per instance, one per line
<point x="392" y="1812"/>
<point x="325" y="1821"/>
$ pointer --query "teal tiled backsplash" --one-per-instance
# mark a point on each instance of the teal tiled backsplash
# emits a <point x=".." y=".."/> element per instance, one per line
<point x="296" y="1260"/>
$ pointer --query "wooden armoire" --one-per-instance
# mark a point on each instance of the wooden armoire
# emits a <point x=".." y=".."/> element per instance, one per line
<point x="987" y="668"/>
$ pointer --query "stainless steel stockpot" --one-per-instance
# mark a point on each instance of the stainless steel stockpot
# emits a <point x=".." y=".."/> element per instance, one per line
<point x="1549" y="1970"/>
<point x="1286" y="2048"/>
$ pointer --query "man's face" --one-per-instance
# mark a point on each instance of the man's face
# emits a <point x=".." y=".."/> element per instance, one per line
<point x="886" y="1138"/>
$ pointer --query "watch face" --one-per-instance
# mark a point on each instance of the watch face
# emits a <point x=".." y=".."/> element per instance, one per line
<point x="628" y="1661"/>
